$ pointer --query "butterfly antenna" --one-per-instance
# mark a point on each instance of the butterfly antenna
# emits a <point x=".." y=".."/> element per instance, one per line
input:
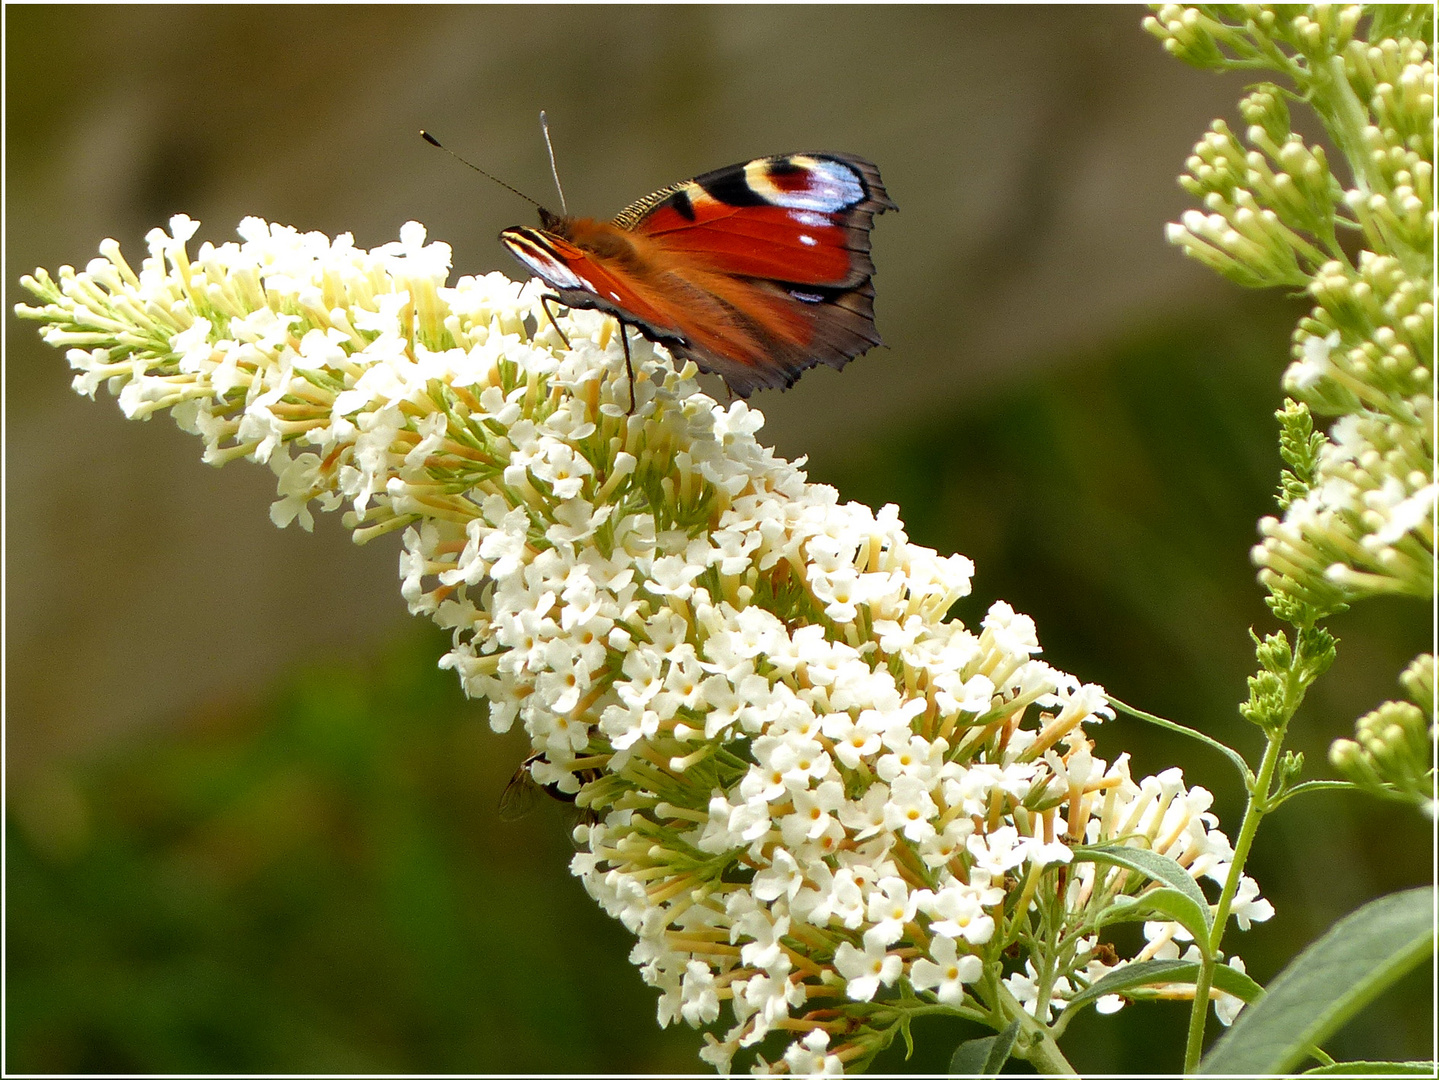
<point x="545" y="127"/>
<point x="436" y="142"/>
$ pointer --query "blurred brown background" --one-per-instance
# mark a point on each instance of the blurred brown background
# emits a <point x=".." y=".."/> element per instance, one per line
<point x="1064" y="398"/>
<point x="1032" y="153"/>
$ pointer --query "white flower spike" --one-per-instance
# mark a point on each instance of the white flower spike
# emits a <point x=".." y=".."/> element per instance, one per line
<point x="813" y="791"/>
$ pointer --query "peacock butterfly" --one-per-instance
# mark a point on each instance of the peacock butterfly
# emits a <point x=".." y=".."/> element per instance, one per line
<point x="755" y="272"/>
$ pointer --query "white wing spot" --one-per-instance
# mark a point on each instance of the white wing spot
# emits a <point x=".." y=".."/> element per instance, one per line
<point x="614" y="296"/>
<point x="807" y="240"/>
<point x="830" y="186"/>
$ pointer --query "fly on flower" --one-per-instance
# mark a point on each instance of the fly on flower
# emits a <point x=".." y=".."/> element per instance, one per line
<point x="523" y="792"/>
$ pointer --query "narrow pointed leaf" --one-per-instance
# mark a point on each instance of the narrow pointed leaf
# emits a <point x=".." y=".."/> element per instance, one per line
<point x="1162" y="904"/>
<point x="1360" y="957"/>
<point x="1157" y="972"/>
<point x="1151" y="864"/>
<point x="1373" y="1068"/>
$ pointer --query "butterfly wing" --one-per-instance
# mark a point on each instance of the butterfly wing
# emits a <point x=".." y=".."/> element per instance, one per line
<point x="756" y="271"/>
<point x="803" y="219"/>
<point x="586" y="279"/>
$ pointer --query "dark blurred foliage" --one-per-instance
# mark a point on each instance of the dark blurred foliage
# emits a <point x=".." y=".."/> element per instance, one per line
<point x="319" y="883"/>
<point x="315" y="879"/>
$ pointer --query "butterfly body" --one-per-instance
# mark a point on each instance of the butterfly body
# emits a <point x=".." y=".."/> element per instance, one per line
<point x="755" y="272"/>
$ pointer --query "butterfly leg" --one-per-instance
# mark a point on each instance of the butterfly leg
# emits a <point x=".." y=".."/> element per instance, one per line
<point x="545" y="301"/>
<point x="629" y="368"/>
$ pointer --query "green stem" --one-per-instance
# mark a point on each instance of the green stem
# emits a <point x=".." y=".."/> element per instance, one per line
<point x="1320" y="1056"/>
<point x="1170" y="725"/>
<point x="1257" y="807"/>
<point x="1316" y="785"/>
<point x="1344" y="117"/>
<point x="1035" y="1043"/>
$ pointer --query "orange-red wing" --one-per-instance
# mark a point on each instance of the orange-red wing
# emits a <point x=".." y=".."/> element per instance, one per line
<point x="745" y="332"/>
<point x="803" y="219"/>
<point x="755" y="272"/>
<point x="584" y="280"/>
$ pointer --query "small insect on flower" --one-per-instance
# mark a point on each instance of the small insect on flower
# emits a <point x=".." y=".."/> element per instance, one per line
<point x="755" y="272"/>
<point x="522" y="793"/>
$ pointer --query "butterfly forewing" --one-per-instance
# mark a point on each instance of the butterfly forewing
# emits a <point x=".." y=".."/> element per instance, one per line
<point x="809" y="213"/>
<point x="756" y="271"/>
<point x="582" y="279"/>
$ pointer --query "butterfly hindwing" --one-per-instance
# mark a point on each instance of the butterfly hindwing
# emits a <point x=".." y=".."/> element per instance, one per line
<point x="756" y="271"/>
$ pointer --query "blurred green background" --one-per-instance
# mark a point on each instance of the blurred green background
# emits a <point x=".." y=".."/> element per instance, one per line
<point x="251" y="827"/>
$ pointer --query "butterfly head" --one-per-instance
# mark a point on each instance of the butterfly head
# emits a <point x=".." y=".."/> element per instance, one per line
<point x="552" y="222"/>
<point x="546" y="251"/>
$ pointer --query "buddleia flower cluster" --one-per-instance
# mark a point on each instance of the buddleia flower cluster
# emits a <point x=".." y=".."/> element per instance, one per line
<point x="1358" y="501"/>
<point x="822" y="805"/>
<point x="1391" y="754"/>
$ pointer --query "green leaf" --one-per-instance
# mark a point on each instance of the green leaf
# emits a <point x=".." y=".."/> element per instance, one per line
<point x="1152" y="972"/>
<point x="1199" y="736"/>
<point x="1373" y="1068"/>
<point x="1360" y="957"/>
<point x="1160" y="868"/>
<point x="1159" y="904"/>
<point x="986" y="1056"/>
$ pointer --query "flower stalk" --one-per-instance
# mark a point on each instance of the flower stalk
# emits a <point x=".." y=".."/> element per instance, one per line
<point x="822" y="805"/>
<point x="1358" y="502"/>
